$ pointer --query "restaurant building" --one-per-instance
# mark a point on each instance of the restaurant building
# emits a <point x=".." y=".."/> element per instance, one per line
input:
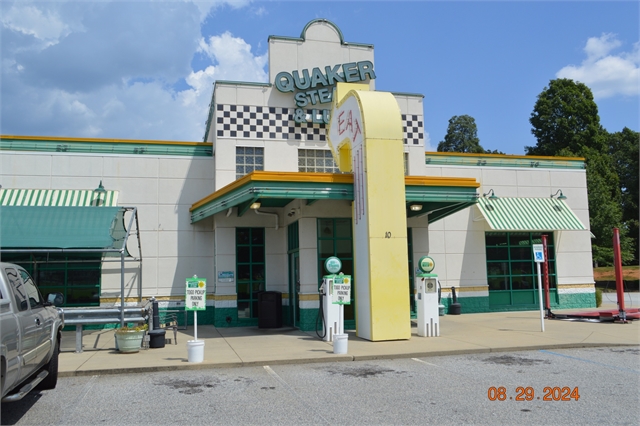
<point x="260" y="204"/>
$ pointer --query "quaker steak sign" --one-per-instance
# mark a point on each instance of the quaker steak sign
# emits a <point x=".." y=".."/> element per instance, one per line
<point x="316" y="87"/>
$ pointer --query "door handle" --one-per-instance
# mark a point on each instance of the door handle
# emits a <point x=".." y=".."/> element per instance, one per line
<point x="38" y="322"/>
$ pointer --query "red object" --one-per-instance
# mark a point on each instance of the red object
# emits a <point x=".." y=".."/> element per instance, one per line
<point x="545" y="275"/>
<point x="611" y="314"/>
<point x="617" y="263"/>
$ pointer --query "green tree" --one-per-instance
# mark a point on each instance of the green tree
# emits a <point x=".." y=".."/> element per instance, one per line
<point x="624" y="149"/>
<point x="565" y="122"/>
<point x="462" y="136"/>
<point x="605" y="208"/>
<point x="565" y="116"/>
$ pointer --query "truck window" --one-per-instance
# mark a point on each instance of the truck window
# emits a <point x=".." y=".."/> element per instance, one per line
<point x="18" y="289"/>
<point x="35" y="300"/>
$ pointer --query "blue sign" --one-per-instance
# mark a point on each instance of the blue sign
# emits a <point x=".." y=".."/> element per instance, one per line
<point x="538" y="253"/>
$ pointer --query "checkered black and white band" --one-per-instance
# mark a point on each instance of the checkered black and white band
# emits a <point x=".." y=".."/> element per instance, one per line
<point x="258" y="122"/>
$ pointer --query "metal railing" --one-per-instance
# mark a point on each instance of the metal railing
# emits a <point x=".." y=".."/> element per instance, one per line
<point x="97" y="316"/>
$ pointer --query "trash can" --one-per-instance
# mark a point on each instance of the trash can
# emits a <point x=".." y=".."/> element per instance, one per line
<point x="269" y="309"/>
<point x="157" y="338"/>
<point x="454" y="308"/>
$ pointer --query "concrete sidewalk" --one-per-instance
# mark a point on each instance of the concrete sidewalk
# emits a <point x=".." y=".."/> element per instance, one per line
<point x="230" y="347"/>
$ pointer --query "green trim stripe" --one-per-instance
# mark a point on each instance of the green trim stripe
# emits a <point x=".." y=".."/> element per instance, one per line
<point x="528" y="214"/>
<point x="498" y="160"/>
<point x="105" y="146"/>
<point x="57" y="198"/>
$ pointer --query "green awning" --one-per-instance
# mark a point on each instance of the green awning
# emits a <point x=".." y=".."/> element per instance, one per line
<point x="69" y="228"/>
<point x="528" y="214"/>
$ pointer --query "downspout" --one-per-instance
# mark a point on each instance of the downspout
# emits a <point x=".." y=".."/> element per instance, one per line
<point x="258" y="212"/>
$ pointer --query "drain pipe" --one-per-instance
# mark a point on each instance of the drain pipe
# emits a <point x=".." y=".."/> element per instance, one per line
<point x="258" y="212"/>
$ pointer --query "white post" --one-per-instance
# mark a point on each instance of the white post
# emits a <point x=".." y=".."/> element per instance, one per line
<point x="540" y="297"/>
<point x="195" y="322"/>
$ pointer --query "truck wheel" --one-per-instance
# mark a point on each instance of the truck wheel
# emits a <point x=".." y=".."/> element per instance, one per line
<point x="51" y="380"/>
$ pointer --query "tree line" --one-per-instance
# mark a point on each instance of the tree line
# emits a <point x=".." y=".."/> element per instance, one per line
<point x="566" y="123"/>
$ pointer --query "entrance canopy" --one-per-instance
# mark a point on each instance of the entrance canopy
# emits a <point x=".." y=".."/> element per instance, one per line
<point x="436" y="197"/>
<point x="528" y="214"/>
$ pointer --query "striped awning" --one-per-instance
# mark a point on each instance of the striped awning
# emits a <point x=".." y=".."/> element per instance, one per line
<point x="528" y="214"/>
<point x="58" y="198"/>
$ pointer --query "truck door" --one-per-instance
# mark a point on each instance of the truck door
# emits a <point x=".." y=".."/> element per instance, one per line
<point x="43" y="319"/>
<point x="26" y="322"/>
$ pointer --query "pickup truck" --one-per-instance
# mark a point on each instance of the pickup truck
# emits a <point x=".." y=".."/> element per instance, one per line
<point x="30" y="335"/>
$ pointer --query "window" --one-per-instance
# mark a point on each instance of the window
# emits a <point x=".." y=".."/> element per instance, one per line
<point x="35" y="300"/>
<point x="316" y="160"/>
<point x="19" y="291"/>
<point x="406" y="163"/>
<point x="248" y="159"/>
<point x="510" y="265"/>
<point x="250" y="270"/>
<point x="77" y="277"/>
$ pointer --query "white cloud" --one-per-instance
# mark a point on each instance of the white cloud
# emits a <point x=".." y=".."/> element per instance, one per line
<point x="427" y="143"/>
<point x="607" y="73"/>
<point x="45" y="25"/>
<point x="234" y="59"/>
<point x="115" y="69"/>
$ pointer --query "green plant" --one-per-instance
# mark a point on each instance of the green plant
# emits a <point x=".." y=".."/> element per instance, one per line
<point x="136" y="328"/>
<point x="598" y="297"/>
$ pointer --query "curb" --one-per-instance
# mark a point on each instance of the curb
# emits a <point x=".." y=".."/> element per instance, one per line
<point x="341" y="358"/>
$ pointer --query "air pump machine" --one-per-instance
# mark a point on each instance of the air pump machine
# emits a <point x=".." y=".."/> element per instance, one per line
<point x="335" y="292"/>
<point x="426" y="285"/>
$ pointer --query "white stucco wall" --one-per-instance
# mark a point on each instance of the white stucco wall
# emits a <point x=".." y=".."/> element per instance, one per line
<point x="162" y="188"/>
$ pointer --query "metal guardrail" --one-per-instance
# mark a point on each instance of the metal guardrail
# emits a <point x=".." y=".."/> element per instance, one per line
<point x="92" y="316"/>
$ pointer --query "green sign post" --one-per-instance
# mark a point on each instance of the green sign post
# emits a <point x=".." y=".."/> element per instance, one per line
<point x="195" y="299"/>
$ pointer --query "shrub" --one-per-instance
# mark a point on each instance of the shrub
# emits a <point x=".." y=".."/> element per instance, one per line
<point x="598" y="297"/>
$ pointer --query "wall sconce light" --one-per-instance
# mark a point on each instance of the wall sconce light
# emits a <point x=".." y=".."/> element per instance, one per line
<point x="493" y="196"/>
<point x="100" y="189"/>
<point x="415" y="207"/>
<point x="255" y="206"/>
<point x="561" y="196"/>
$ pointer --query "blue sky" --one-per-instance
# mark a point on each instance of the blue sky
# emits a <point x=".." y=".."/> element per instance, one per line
<point x="145" y="69"/>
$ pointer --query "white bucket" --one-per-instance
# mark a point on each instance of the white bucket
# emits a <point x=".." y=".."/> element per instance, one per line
<point x="195" y="350"/>
<point x="340" y="343"/>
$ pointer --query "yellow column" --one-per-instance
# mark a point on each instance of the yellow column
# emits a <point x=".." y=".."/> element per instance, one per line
<point x="365" y="135"/>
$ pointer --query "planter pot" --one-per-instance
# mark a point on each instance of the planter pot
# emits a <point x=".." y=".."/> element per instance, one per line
<point x="129" y="341"/>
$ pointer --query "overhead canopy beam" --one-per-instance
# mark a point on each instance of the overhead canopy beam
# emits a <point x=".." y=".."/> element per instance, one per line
<point x="277" y="189"/>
